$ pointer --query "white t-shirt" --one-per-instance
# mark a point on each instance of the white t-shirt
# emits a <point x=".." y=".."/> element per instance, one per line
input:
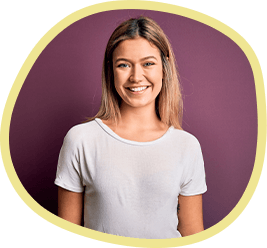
<point x="131" y="188"/>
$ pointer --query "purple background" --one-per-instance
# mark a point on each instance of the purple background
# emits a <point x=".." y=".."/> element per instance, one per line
<point x="64" y="86"/>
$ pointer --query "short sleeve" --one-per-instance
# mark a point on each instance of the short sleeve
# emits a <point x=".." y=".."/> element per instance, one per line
<point x="194" y="177"/>
<point x="69" y="174"/>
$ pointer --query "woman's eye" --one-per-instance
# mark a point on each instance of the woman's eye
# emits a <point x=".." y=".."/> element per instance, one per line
<point x="122" y="65"/>
<point x="148" y="64"/>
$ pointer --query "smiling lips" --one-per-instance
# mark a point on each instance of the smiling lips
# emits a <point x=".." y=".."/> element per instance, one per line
<point x="137" y="89"/>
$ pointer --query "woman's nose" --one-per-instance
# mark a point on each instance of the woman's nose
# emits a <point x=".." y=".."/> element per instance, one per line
<point x="137" y="74"/>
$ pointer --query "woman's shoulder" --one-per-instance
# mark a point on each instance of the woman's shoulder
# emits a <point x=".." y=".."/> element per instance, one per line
<point x="185" y="137"/>
<point x="81" y="131"/>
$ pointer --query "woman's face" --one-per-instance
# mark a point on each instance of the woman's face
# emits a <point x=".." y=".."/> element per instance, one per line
<point x="138" y="72"/>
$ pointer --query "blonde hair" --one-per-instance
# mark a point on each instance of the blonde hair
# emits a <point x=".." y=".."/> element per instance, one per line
<point x="169" y="105"/>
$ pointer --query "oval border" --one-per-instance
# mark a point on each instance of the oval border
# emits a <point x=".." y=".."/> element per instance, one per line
<point x="163" y="7"/>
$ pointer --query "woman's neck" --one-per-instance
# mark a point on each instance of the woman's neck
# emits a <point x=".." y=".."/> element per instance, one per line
<point x="139" y="118"/>
<point x="138" y="124"/>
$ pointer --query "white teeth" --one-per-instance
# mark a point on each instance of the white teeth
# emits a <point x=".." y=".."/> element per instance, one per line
<point x="138" y="89"/>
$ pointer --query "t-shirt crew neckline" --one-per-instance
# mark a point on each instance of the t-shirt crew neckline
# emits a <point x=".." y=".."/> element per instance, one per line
<point x="131" y="142"/>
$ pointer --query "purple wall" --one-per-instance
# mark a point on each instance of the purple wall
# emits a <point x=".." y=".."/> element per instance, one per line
<point x="64" y="86"/>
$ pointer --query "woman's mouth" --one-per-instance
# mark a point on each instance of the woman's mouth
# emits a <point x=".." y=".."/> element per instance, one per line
<point x="137" y="89"/>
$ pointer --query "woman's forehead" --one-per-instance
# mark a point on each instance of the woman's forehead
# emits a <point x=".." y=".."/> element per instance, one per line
<point x="136" y="48"/>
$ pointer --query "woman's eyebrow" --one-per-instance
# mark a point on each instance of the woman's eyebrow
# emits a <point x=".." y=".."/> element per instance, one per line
<point x="145" y="58"/>
<point x="149" y="57"/>
<point x="121" y="59"/>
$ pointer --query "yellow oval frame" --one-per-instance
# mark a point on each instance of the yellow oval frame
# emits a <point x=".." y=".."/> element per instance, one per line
<point x="163" y="7"/>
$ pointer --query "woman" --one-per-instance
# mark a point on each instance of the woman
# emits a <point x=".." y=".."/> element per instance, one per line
<point x="130" y="165"/>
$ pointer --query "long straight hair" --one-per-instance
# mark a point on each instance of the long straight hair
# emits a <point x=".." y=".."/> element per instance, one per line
<point x="169" y="105"/>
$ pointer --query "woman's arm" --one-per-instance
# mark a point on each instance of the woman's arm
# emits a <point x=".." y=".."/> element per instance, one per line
<point x="190" y="215"/>
<point x="70" y="205"/>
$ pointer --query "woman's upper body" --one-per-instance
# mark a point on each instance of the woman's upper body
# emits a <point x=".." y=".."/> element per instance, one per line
<point x="132" y="160"/>
<point x="131" y="187"/>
